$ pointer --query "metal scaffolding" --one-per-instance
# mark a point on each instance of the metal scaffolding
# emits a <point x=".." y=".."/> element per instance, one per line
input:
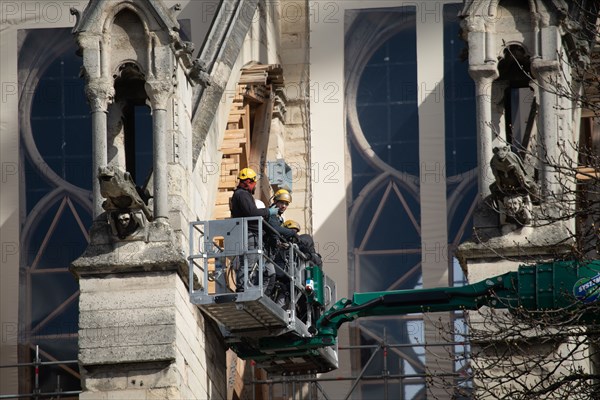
<point x="298" y="387"/>
<point x="37" y="393"/>
<point x="288" y="387"/>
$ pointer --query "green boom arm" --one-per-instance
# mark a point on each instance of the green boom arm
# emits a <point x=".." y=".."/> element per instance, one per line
<point x="550" y="286"/>
<point x="471" y="297"/>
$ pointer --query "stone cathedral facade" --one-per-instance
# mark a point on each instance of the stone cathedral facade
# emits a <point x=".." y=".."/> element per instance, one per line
<point x="151" y="139"/>
<point x="134" y="54"/>
<point x="416" y="138"/>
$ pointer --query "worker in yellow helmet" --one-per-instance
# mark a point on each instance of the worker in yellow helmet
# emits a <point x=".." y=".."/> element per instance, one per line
<point x="275" y="230"/>
<point x="305" y="242"/>
<point x="291" y="224"/>
<point x="282" y="195"/>
<point x="281" y="200"/>
<point x="242" y="204"/>
<point x="277" y="239"/>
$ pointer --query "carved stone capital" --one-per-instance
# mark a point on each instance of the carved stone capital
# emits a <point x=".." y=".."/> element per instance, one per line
<point x="543" y="68"/>
<point x="473" y="24"/>
<point x="545" y="71"/>
<point x="159" y="91"/>
<point x="100" y="93"/>
<point x="87" y="41"/>
<point x="484" y="71"/>
<point x="483" y="75"/>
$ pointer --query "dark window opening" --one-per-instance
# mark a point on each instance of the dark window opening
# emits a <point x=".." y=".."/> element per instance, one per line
<point x="519" y="102"/>
<point x="60" y="121"/>
<point x="137" y="122"/>
<point x="520" y="108"/>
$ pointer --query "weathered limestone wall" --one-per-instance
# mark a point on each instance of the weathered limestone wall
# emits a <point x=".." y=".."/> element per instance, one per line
<point x="180" y="171"/>
<point x="141" y="338"/>
<point x="295" y="137"/>
<point x="140" y="335"/>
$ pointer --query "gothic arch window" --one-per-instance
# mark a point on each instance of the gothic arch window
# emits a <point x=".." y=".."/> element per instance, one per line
<point x="129" y="117"/>
<point x="56" y="152"/>
<point x="518" y="100"/>
<point x="384" y="214"/>
<point x="130" y="128"/>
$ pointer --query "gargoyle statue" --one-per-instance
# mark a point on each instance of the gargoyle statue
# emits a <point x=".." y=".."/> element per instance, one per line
<point x="125" y="224"/>
<point x="198" y="73"/>
<point x="125" y="202"/>
<point x="511" y="176"/>
<point x="515" y="212"/>
<point x="514" y="190"/>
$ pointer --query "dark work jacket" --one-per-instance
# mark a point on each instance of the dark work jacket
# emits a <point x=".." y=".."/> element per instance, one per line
<point x="306" y="244"/>
<point x="275" y="222"/>
<point x="242" y="205"/>
<point x="271" y="240"/>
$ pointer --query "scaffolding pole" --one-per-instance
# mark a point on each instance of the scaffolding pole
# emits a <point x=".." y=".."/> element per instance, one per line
<point x="380" y="348"/>
<point x="37" y="393"/>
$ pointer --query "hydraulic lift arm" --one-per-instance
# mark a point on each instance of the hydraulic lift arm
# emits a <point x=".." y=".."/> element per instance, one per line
<point x="553" y="286"/>
<point x="470" y="297"/>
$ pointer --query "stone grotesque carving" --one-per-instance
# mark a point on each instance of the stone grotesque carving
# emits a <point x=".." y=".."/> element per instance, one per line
<point x="513" y="191"/>
<point x="120" y="191"/>
<point x="124" y="224"/>
<point x="77" y="15"/>
<point x="511" y="176"/>
<point x="125" y="204"/>
<point x="515" y="211"/>
<point x="198" y="73"/>
<point x="183" y="47"/>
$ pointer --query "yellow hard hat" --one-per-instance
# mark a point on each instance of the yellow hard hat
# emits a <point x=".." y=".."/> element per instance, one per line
<point x="282" y="195"/>
<point x="291" y="224"/>
<point x="247" y="173"/>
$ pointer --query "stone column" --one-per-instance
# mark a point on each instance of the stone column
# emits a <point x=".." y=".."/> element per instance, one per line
<point x="546" y="73"/>
<point x="100" y="93"/>
<point x="484" y="75"/>
<point x="159" y="91"/>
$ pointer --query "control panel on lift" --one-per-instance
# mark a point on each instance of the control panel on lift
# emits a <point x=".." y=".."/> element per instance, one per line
<point x="229" y="264"/>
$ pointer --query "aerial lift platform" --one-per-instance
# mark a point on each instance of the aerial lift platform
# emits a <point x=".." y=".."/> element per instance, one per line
<point x="302" y="337"/>
<point x="218" y="250"/>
